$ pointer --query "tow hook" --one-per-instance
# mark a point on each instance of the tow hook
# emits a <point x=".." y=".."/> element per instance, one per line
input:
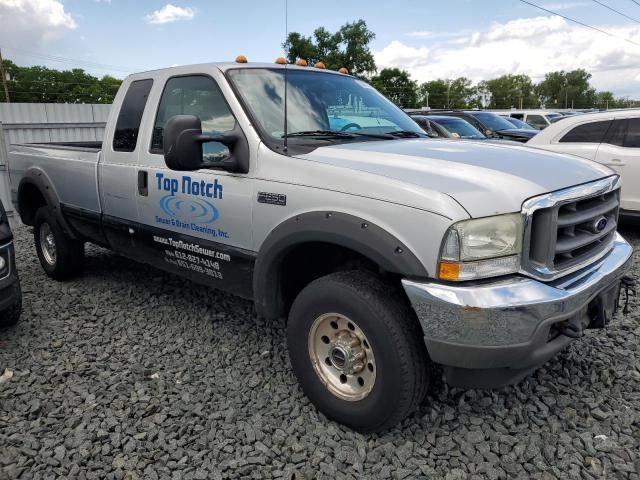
<point x="571" y="330"/>
<point x="627" y="288"/>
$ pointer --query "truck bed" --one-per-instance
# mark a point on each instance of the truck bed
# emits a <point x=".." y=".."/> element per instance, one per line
<point x="71" y="167"/>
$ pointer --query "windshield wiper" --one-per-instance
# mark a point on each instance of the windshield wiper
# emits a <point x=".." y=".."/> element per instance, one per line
<point x="383" y="136"/>
<point x="406" y="134"/>
<point x="319" y="133"/>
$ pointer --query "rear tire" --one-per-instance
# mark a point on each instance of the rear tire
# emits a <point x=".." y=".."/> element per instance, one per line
<point x="11" y="315"/>
<point x="357" y="350"/>
<point x="61" y="257"/>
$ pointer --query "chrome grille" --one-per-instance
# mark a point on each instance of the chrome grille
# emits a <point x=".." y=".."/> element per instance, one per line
<point x="570" y="229"/>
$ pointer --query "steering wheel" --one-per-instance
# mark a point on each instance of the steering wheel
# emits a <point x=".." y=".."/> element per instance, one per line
<point x="350" y="125"/>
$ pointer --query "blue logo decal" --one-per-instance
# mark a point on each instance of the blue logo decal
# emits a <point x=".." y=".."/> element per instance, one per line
<point x="194" y="210"/>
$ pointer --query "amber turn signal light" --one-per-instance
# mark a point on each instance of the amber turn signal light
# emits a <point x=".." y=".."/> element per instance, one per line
<point x="449" y="271"/>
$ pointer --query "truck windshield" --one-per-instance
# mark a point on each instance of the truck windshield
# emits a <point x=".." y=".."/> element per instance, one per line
<point x="319" y="104"/>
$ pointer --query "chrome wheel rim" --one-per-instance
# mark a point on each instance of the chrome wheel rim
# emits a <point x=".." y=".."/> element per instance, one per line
<point x="48" y="244"/>
<point x="342" y="357"/>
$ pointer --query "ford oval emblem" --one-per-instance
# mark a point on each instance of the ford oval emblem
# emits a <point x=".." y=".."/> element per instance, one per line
<point x="600" y="224"/>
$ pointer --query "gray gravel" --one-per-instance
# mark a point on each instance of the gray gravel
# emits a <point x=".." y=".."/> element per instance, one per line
<point x="131" y="373"/>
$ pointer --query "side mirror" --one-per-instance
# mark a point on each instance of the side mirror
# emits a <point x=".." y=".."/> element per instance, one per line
<point x="183" y="139"/>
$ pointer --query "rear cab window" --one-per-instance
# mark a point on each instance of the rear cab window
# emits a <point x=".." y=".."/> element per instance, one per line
<point x="125" y="137"/>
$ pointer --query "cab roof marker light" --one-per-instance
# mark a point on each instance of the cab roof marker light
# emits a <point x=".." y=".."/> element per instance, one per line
<point x="241" y="59"/>
<point x="344" y="70"/>
<point x="281" y="61"/>
<point x="301" y="62"/>
<point x="320" y="65"/>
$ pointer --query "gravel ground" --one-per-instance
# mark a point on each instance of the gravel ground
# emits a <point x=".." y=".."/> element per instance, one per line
<point x="131" y="373"/>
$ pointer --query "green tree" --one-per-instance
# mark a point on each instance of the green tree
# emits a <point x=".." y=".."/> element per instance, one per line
<point x="441" y="93"/>
<point x="46" y="85"/>
<point x="510" y="91"/>
<point x="348" y="47"/>
<point x="606" y="99"/>
<point x="397" y="86"/>
<point x="434" y="93"/>
<point x="461" y="93"/>
<point x="566" y="90"/>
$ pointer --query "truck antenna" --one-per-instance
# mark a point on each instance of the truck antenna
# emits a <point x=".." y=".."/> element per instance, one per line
<point x="286" y="32"/>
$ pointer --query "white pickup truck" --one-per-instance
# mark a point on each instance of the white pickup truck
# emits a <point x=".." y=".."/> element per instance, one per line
<point x="385" y="250"/>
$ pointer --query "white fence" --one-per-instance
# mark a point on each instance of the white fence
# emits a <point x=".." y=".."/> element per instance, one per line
<point x="45" y="122"/>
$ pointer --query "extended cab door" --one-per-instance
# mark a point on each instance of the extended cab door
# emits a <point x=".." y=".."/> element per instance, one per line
<point x="621" y="151"/>
<point x="197" y="224"/>
<point x="117" y="169"/>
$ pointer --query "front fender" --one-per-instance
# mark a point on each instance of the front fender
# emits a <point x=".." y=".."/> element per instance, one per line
<point x="349" y="231"/>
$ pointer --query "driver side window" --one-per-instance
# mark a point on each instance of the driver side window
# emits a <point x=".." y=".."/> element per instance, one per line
<point x="200" y="96"/>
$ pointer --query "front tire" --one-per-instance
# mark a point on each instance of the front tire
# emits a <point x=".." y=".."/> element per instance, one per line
<point x="357" y="350"/>
<point x="61" y="257"/>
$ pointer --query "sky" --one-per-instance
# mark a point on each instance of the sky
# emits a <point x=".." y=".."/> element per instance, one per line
<point x="479" y="39"/>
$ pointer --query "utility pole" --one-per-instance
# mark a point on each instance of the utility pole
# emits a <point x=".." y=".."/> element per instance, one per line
<point x="4" y="80"/>
<point x="448" y="90"/>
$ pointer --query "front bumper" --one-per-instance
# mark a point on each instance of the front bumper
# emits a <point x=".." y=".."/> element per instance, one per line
<point x="8" y="278"/>
<point x="495" y="332"/>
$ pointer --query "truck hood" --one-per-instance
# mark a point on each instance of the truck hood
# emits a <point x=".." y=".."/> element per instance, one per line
<point x="486" y="179"/>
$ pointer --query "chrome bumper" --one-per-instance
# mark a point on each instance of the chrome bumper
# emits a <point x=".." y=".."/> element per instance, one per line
<point x="504" y="324"/>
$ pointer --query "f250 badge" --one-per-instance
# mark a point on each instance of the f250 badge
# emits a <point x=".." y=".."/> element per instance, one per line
<point x="272" y="198"/>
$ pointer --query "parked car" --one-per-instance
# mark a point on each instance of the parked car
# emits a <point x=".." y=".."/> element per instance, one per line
<point x="448" y="127"/>
<point x="520" y="124"/>
<point x="570" y="114"/>
<point x="385" y="250"/>
<point x="453" y="127"/>
<point x="10" y="292"/>
<point x="490" y="124"/>
<point x="431" y="128"/>
<point x="611" y="138"/>
<point x="538" y="119"/>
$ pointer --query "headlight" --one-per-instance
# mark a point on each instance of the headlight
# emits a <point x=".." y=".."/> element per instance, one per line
<point x="482" y="247"/>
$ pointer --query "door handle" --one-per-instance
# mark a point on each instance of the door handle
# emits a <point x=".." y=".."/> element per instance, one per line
<point x="143" y="183"/>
